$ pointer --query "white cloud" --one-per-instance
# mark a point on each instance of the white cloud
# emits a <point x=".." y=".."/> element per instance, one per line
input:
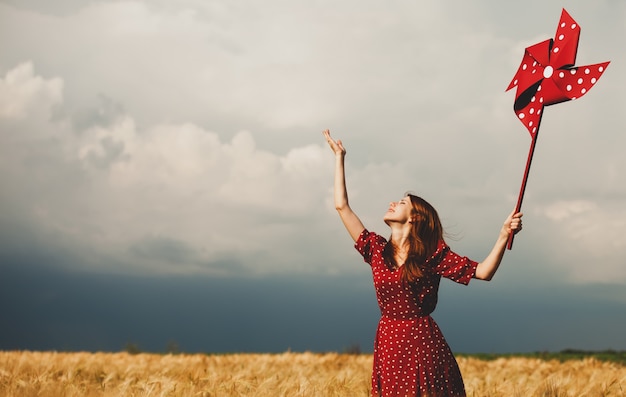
<point x="124" y="190"/>
<point x="564" y="210"/>
<point x="206" y="134"/>
<point x="22" y="92"/>
<point x="588" y="238"/>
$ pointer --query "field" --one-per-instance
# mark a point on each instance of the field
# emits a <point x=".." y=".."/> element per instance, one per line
<point x="287" y="374"/>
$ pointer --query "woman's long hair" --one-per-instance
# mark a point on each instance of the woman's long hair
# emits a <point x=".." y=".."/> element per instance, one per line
<point x="426" y="232"/>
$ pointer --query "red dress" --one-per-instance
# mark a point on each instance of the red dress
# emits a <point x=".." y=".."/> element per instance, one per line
<point x="411" y="356"/>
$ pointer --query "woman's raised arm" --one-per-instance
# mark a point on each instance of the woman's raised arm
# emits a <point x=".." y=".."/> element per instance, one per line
<point x="350" y="220"/>
<point x="487" y="268"/>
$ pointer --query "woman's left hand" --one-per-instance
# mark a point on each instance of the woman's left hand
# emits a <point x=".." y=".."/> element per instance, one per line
<point x="513" y="223"/>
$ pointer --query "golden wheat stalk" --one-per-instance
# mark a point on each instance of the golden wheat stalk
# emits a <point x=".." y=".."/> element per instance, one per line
<point x="287" y="374"/>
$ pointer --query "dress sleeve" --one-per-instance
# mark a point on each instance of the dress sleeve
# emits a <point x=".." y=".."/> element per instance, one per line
<point x="367" y="244"/>
<point x="450" y="265"/>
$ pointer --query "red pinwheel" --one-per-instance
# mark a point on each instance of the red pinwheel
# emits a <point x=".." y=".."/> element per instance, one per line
<point x="547" y="76"/>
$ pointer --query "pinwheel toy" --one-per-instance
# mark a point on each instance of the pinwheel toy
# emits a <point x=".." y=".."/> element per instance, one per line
<point x="547" y="76"/>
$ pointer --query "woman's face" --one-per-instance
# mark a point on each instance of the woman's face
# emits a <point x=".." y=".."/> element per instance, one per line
<point x="399" y="211"/>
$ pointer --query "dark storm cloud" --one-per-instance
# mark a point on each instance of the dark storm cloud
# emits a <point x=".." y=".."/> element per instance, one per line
<point x="163" y="248"/>
<point x="43" y="307"/>
<point x="541" y="316"/>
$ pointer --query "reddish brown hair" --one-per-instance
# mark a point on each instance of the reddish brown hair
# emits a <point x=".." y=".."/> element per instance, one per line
<point x="426" y="232"/>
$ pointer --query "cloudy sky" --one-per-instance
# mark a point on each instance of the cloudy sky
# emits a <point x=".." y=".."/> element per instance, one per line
<point x="164" y="177"/>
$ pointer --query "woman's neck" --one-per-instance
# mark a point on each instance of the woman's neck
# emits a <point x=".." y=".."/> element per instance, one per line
<point x="400" y="237"/>
<point x="400" y="250"/>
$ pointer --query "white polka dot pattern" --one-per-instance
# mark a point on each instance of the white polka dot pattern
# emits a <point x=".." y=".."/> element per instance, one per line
<point x="411" y="355"/>
<point x="546" y="75"/>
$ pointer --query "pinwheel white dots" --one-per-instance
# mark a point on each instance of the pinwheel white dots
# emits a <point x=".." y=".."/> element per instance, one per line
<point x="547" y="76"/>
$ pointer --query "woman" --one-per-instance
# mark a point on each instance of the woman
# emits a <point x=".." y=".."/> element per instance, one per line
<point x="411" y="356"/>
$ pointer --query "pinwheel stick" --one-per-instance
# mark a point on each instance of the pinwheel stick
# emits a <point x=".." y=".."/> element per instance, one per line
<point x="520" y="198"/>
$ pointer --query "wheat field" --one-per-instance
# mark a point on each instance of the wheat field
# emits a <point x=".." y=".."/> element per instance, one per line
<point x="26" y="373"/>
